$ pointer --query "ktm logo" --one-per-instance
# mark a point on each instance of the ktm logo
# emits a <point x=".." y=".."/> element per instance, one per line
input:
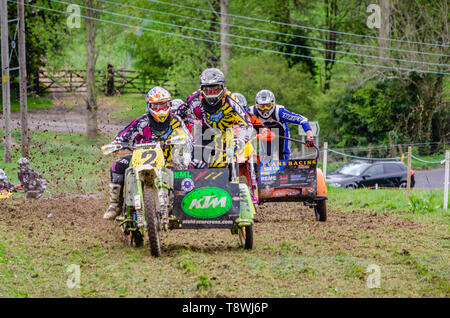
<point x="207" y="202"/>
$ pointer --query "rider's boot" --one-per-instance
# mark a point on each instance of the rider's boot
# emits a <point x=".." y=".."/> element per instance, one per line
<point x="114" y="201"/>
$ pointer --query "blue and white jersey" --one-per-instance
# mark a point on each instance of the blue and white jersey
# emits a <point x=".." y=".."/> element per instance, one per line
<point x="280" y="118"/>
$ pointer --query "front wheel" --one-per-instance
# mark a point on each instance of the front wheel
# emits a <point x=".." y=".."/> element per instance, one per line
<point x="321" y="210"/>
<point x="152" y="220"/>
<point x="246" y="237"/>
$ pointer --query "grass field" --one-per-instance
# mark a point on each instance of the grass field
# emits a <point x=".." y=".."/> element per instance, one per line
<point x="33" y="102"/>
<point x="72" y="163"/>
<point x="294" y="255"/>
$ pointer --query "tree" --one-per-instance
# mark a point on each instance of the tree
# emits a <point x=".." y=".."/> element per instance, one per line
<point x="91" y="59"/>
<point x="225" y="49"/>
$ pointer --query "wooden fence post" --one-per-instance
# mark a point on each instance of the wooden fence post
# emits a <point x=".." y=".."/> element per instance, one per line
<point x="110" y="81"/>
<point x="408" y="179"/>
<point x="447" y="172"/>
<point x="325" y="158"/>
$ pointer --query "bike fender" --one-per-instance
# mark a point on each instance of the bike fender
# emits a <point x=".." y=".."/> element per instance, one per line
<point x="321" y="185"/>
<point x="247" y="209"/>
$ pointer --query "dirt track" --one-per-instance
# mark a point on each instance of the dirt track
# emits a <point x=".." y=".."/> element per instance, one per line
<point x="59" y="119"/>
<point x="293" y="255"/>
<point x="277" y="222"/>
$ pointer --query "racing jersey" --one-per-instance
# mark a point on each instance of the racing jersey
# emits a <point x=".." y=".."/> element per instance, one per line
<point x="227" y="116"/>
<point x="140" y="131"/>
<point x="280" y="118"/>
<point x="31" y="180"/>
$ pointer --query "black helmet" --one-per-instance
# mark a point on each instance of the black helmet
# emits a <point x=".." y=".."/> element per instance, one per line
<point x="212" y="85"/>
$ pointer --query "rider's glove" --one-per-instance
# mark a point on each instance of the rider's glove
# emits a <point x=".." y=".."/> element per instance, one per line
<point x="198" y="164"/>
<point x="309" y="142"/>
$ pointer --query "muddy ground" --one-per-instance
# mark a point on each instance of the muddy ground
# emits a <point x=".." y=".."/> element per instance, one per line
<point x="293" y="256"/>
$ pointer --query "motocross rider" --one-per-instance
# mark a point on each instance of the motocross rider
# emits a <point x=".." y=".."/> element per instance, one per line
<point x="215" y="107"/>
<point x="5" y="185"/>
<point x="158" y="123"/>
<point x="175" y="104"/>
<point x="33" y="182"/>
<point x="277" y="116"/>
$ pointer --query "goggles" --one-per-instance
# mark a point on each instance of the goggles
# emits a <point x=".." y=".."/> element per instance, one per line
<point x="212" y="90"/>
<point x="265" y="106"/>
<point x="160" y="106"/>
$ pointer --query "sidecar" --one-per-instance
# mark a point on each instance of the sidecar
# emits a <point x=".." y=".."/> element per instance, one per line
<point x="206" y="199"/>
<point x="293" y="180"/>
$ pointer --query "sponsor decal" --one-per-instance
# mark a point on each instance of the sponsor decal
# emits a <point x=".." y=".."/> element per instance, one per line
<point x="268" y="178"/>
<point x="285" y="176"/>
<point x="298" y="177"/>
<point x="207" y="222"/>
<point x="167" y="134"/>
<point x="181" y="174"/>
<point x="213" y="175"/>
<point x="217" y="117"/>
<point x="206" y="202"/>
<point x="201" y="174"/>
<point x="180" y="192"/>
<point x="302" y="163"/>
<point x="187" y="184"/>
<point x="236" y="198"/>
<point x="290" y="117"/>
<point x="272" y="167"/>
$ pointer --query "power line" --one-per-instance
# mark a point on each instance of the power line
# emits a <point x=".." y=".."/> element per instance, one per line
<point x="297" y="25"/>
<point x="365" y="46"/>
<point x="390" y="146"/>
<point x="253" y="39"/>
<point x="363" y="158"/>
<point x="238" y="45"/>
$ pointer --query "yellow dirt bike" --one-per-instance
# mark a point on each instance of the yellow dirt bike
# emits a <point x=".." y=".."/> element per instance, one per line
<point x="148" y="189"/>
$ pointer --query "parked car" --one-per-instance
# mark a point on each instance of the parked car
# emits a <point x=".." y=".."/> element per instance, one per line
<point x="363" y="174"/>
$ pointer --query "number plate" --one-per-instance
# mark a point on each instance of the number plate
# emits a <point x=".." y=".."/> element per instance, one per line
<point x="153" y="157"/>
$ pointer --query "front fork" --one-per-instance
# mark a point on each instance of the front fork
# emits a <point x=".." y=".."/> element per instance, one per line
<point x="164" y="198"/>
<point x="253" y="180"/>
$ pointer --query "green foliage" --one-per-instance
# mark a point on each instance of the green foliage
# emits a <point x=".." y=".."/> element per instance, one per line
<point x="426" y="204"/>
<point x="203" y="282"/>
<point x="293" y="87"/>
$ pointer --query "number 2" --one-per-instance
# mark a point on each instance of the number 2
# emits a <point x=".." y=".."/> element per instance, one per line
<point x="152" y="154"/>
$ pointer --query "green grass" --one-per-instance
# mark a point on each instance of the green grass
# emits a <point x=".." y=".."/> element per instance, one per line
<point x="70" y="162"/>
<point x="33" y="102"/>
<point x="392" y="200"/>
<point x="285" y="262"/>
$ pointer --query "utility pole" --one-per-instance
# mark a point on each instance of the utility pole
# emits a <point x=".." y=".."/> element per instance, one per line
<point x="224" y="37"/>
<point x="23" y="79"/>
<point x="5" y="81"/>
<point x="385" y="29"/>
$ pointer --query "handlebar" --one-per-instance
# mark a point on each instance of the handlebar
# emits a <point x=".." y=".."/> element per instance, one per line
<point x="301" y="142"/>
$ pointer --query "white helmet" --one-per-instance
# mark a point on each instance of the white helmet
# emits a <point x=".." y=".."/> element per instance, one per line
<point x="265" y="103"/>
<point x="158" y="103"/>
<point x="3" y="175"/>
<point x="241" y="98"/>
<point x="175" y="104"/>
<point x="22" y="162"/>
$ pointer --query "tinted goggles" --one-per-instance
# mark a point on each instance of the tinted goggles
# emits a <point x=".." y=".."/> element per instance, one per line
<point x="160" y="106"/>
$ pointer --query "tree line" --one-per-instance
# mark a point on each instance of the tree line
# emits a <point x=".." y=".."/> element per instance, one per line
<point x="323" y="59"/>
